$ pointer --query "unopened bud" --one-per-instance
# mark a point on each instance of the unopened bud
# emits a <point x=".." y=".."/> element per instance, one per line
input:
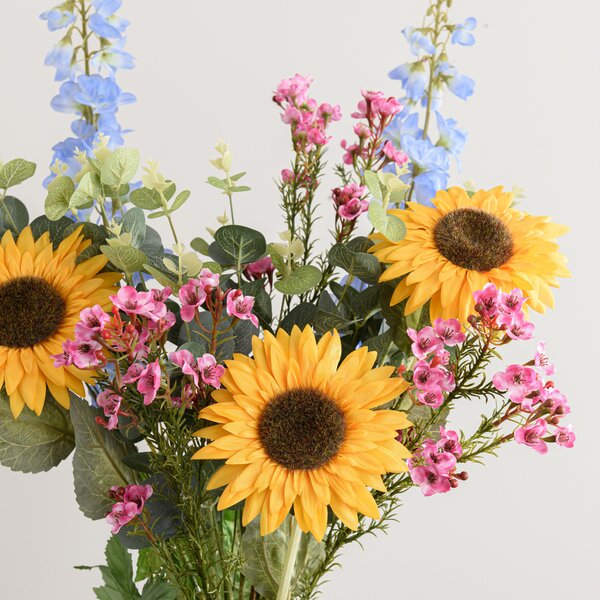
<point x="479" y="307"/>
<point x="554" y="421"/>
<point x="472" y="319"/>
<point x="560" y="410"/>
<point x="453" y="483"/>
<point x="463" y="475"/>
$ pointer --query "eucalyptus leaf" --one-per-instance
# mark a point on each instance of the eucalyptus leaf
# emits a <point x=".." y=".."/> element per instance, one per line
<point x="33" y="444"/>
<point x="390" y="226"/>
<point x="216" y="182"/>
<point x="180" y="200"/>
<point x="373" y="184"/>
<point x="200" y="245"/>
<point x="301" y="280"/>
<point x="16" y="171"/>
<point x="263" y="558"/>
<point x="120" y="167"/>
<point x="57" y="230"/>
<point x="59" y="195"/>
<point x="162" y="278"/>
<point x="360" y="264"/>
<point x="86" y="193"/>
<point x="98" y="460"/>
<point x="301" y="316"/>
<point x="134" y="222"/>
<point x="127" y="258"/>
<point x="242" y="244"/>
<point x="145" y="198"/>
<point x="13" y="215"/>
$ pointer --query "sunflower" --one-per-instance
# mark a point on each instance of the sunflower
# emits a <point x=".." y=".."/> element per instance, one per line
<point x="42" y="291"/>
<point x="298" y="430"/>
<point x="461" y="243"/>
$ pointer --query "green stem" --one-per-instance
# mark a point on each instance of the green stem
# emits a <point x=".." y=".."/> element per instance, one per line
<point x="283" y="593"/>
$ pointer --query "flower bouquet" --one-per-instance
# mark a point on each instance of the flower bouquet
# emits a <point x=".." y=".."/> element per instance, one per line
<point x="238" y="409"/>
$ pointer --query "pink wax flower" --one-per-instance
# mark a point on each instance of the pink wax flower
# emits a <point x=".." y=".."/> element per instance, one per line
<point x="564" y="436"/>
<point x="241" y="306"/>
<point x="185" y="360"/>
<point x="531" y="435"/>
<point x="110" y="403"/>
<point x="542" y="362"/>
<point x="209" y="280"/>
<point x="192" y="295"/>
<point x="121" y="514"/>
<point x="210" y="371"/>
<point x="353" y="151"/>
<point x="449" y="442"/>
<point x="315" y="136"/>
<point x="362" y="131"/>
<point x="519" y="328"/>
<point x="65" y="358"/>
<point x="431" y="397"/>
<point x="353" y="209"/>
<point x="86" y="354"/>
<point x="444" y="462"/>
<point x="138" y="494"/>
<point x="430" y="480"/>
<point x="149" y="382"/>
<point x="425" y="341"/>
<point x="426" y="377"/>
<point x="327" y="112"/>
<point x="511" y="302"/>
<point x="487" y="301"/>
<point x="293" y="89"/>
<point x="449" y="331"/>
<point x="518" y="380"/>
<point x="392" y="153"/>
<point x="261" y="268"/>
<point x="91" y="322"/>
<point x="292" y="116"/>
<point x="134" y="372"/>
<point x="132" y="302"/>
<point x="287" y="176"/>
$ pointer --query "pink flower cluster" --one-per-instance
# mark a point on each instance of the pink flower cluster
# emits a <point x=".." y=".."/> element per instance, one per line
<point x="98" y="331"/>
<point x="528" y="388"/>
<point x="433" y="466"/>
<point x="263" y="267"/>
<point x="240" y="306"/>
<point x="350" y="201"/>
<point x="203" y="368"/>
<point x="377" y="110"/>
<point x="430" y="375"/>
<point x="504" y="311"/>
<point x="130" y="502"/>
<point x="308" y="120"/>
<point x="194" y="293"/>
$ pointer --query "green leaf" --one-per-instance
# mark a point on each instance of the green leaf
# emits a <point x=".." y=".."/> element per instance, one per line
<point x="390" y="226"/>
<point x="200" y="245"/>
<point x="159" y="590"/>
<point x="161" y="277"/>
<point x="134" y="222"/>
<point x="148" y="563"/>
<point x="301" y="316"/>
<point x="301" y="280"/>
<point x="373" y="184"/>
<point x="145" y="198"/>
<point x="97" y="462"/>
<point x="237" y="176"/>
<point x="59" y="194"/>
<point x="58" y="230"/>
<point x="86" y="193"/>
<point x="324" y="321"/>
<point x="15" y="171"/>
<point x="263" y="558"/>
<point x="119" y="562"/>
<point x="179" y="200"/>
<point x="126" y="258"/>
<point x="364" y="303"/>
<point x="360" y="264"/>
<point x="120" y="167"/>
<point x="420" y="415"/>
<point x="13" y="215"/>
<point x="216" y="182"/>
<point x="33" y="444"/>
<point x="240" y="188"/>
<point x="243" y="244"/>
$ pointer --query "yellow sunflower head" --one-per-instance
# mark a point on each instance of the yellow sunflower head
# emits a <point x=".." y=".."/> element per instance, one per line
<point x="296" y="428"/>
<point x="461" y="243"/>
<point x="42" y="292"/>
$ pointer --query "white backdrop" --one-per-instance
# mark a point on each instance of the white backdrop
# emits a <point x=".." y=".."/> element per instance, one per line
<point x="526" y="526"/>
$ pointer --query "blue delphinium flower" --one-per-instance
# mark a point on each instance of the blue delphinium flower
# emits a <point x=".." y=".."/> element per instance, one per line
<point x="424" y="82"/>
<point x="94" y="95"/>
<point x="462" y="32"/>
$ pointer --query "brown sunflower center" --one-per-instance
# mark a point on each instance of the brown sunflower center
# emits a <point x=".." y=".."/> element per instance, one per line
<point x="473" y="239"/>
<point x="31" y="310"/>
<point x="302" y="429"/>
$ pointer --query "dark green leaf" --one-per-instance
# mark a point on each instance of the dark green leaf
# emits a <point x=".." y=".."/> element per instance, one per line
<point x="159" y="590"/>
<point x="97" y="462"/>
<point x="360" y="264"/>
<point x="301" y="315"/>
<point x="59" y="193"/>
<point x="134" y="222"/>
<point x="242" y="244"/>
<point x="32" y="444"/>
<point x="13" y="215"/>
<point x="200" y="246"/>
<point x="58" y="230"/>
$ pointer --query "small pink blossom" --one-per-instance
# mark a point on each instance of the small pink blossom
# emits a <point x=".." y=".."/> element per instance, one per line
<point x="542" y="362"/>
<point x="362" y="131"/>
<point x="564" y="436"/>
<point x="86" y="354"/>
<point x="392" y="153"/>
<point x="449" y="442"/>
<point x="261" y="268"/>
<point x="449" y="331"/>
<point x="512" y="302"/>
<point x="430" y="480"/>
<point x="444" y="462"/>
<point x="425" y="341"/>
<point x="149" y="382"/>
<point x="209" y="280"/>
<point x="92" y="322"/>
<point x="185" y="360"/>
<point x="192" y="295"/>
<point x="241" y="306"/>
<point x="110" y="403"/>
<point x="518" y="380"/>
<point x="315" y="136"/>
<point x="134" y="372"/>
<point x="353" y="209"/>
<point x="558" y="403"/>
<point x="327" y="112"/>
<point x="293" y="90"/>
<point x="426" y="377"/>
<point x="431" y="397"/>
<point x="519" y="328"/>
<point x="65" y="358"/>
<point x="121" y="514"/>
<point x="210" y="371"/>
<point x="132" y="302"/>
<point x="287" y="176"/>
<point x="138" y="494"/>
<point x="487" y="301"/>
<point x="531" y="435"/>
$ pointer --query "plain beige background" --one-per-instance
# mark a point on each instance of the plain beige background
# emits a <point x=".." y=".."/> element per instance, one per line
<point x="526" y="526"/>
